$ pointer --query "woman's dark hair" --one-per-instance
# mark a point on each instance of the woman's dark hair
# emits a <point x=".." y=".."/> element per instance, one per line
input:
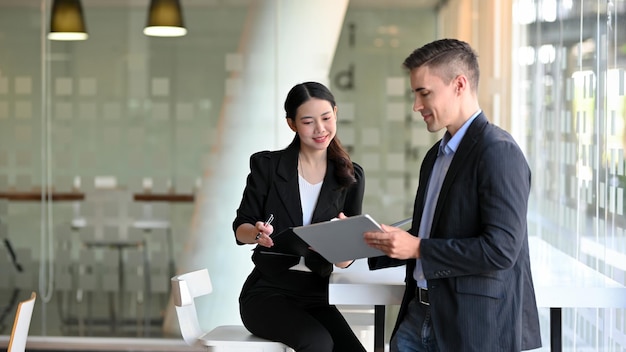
<point x="300" y="94"/>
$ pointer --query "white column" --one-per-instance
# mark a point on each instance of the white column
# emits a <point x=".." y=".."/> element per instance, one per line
<point x="285" y="42"/>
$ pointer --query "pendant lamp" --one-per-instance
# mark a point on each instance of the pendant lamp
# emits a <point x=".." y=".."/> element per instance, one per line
<point x="165" y="19"/>
<point x="67" y="21"/>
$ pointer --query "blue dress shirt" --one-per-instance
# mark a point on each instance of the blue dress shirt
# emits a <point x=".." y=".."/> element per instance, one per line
<point x="447" y="148"/>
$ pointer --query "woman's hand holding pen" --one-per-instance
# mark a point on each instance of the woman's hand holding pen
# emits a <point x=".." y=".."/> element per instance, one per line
<point x="265" y="229"/>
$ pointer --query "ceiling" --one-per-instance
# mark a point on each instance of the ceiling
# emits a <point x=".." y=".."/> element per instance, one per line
<point x="211" y="3"/>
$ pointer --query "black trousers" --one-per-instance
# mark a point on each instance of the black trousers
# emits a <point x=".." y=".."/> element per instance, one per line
<point x="303" y="326"/>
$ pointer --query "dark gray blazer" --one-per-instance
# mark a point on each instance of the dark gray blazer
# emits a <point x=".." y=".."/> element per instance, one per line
<point x="476" y="261"/>
<point x="272" y="188"/>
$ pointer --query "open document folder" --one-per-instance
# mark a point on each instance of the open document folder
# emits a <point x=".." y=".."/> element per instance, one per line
<point x="341" y="239"/>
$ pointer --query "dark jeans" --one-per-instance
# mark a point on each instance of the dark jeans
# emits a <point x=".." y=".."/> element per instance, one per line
<point x="415" y="333"/>
<point x="303" y="327"/>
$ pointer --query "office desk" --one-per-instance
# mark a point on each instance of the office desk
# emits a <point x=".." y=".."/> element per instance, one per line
<point x="560" y="282"/>
<point x="36" y="196"/>
<point x="357" y="285"/>
<point x="164" y="197"/>
<point x="564" y="282"/>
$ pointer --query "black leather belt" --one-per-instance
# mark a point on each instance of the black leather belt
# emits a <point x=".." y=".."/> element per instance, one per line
<point x="422" y="295"/>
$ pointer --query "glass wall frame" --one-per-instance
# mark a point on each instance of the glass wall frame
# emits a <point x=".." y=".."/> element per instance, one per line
<point x="569" y="61"/>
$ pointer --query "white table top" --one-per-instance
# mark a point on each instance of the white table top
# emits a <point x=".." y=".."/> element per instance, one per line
<point x="357" y="285"/>
<point x="147" y="224"/>
<point x="560" y="281"/>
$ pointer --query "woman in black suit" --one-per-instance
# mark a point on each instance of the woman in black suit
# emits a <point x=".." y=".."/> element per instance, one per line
<point x="285" y="297"/>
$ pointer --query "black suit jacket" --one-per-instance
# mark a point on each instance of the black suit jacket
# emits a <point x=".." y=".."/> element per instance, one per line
<point x="272" y="188"/>
<point x="476" y="261"/>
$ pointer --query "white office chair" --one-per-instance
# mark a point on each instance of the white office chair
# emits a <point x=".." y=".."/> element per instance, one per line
<point x="21" y="325"/>
<point x="185" y="288"/>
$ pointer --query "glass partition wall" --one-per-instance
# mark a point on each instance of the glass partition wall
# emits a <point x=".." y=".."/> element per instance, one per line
<point x="569" y="67"/>
<point x="115" y="128"/>
<point x="123" y="157"/>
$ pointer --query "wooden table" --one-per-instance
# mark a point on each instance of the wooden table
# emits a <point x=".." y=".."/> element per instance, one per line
<point x="147" y="225"/>
<point x="80" y="196"/>
<point x="164" y="197"/>
<point x="30" y="196"/>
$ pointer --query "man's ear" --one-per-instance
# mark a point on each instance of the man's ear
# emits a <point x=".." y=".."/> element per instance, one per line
<point x="291" y="124"/>
<point x="461" y="83"/>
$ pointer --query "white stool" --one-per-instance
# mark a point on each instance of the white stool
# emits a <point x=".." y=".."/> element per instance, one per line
<point x="185" y="288"/>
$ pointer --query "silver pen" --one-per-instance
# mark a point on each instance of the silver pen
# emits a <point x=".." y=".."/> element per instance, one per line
<point x="267" y="222"/>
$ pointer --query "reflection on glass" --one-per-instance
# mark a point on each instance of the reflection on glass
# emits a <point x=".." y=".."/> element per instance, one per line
<point x="574" y="108"/>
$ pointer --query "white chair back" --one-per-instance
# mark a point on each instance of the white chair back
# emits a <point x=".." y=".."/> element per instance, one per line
<point x="185" y="288"/>
<point x="21" y="325"/>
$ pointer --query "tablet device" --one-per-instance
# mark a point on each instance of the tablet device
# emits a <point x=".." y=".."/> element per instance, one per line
<point x="287" y="242"/>
<point x="341" y="239"/>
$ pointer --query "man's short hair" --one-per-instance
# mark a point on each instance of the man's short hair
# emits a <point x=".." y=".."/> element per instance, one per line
<point x="448" y="58"/>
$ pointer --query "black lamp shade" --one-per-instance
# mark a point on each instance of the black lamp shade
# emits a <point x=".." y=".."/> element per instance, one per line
<point x="67" y="21"/>
<point x="165" y="19"/>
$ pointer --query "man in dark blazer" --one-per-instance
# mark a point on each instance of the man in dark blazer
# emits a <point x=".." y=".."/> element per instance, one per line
<point x="468" y="280"/>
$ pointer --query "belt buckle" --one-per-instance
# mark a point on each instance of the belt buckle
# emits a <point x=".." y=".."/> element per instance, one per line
<point x="423" y="300"/>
